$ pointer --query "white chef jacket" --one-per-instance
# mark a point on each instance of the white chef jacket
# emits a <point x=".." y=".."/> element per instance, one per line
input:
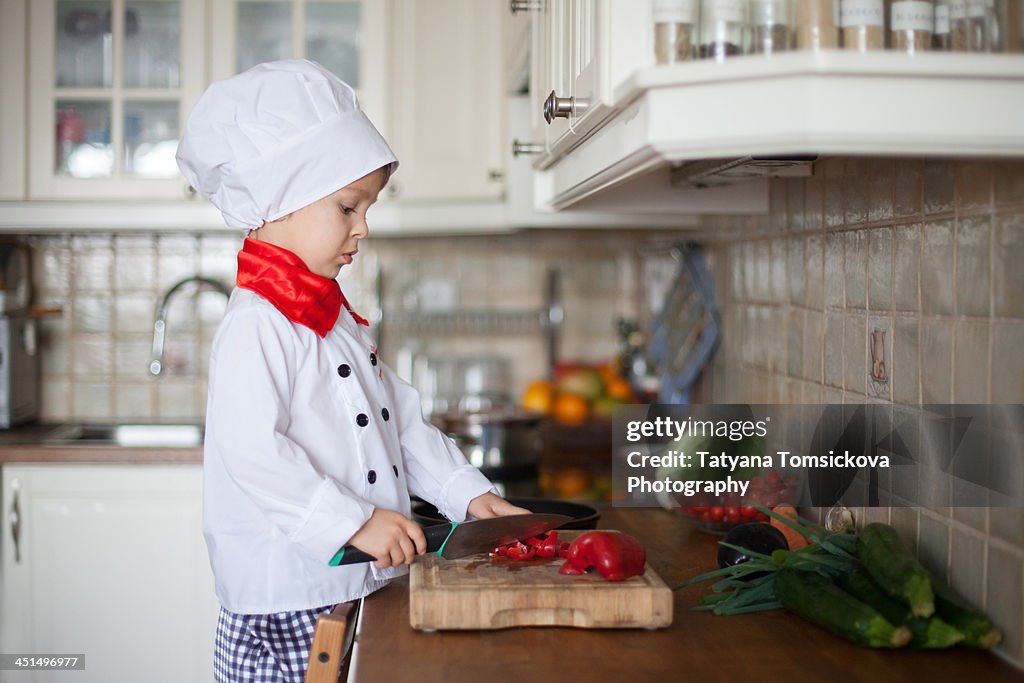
<point x="304" y="438"/>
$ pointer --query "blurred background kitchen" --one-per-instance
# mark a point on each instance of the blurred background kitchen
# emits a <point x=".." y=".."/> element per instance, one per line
<point x="593" y="207"/>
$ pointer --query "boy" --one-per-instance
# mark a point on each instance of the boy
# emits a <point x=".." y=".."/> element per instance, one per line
<point x="311" y="442"/>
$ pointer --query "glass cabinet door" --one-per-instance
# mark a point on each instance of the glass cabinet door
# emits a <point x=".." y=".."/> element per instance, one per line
<point x="84" y="51"/>
<point x="332" y="38"/>
<point x="264" y="32"/>
<point x="113" y="82"/>
<point x="325" y="31"/>
<point x="152" y="44"/>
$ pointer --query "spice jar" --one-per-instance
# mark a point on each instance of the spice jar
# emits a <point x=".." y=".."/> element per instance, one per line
<point x="958" y="25"/>
<point x="675" y="26"/>
<point x="771" y="26"/>
<point x="942" y="37"/>
<point x="982" y="26"/>
<point x="817" y="24"/>
<point x="723" y="28"/>
<point x="863" y="24"/>
<point x="1013" y="26"/>
<point x="910" y="25"/>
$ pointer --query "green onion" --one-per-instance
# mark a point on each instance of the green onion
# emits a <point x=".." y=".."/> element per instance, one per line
<point x="734" y="592"/>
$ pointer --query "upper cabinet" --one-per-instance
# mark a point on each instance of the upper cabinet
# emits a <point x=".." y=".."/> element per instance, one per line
<point x="447" y="102"/>
<point x="426" y="73"/>
<point x="614" y="129"/>
<point x="110" y="85"/>
<point x="349" y="37"/>
<point x="577" y="58"/>
<point x="12" y="104"/>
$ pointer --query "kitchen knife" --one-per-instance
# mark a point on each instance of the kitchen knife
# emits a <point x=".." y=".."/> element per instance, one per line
<point x="458" y="539"/>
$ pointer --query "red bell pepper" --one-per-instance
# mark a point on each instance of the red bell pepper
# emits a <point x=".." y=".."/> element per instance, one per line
<point x="616" y="556"/>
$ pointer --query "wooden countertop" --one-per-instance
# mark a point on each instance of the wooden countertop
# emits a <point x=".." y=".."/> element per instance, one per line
<point x="699" y="646"/>
<point x="33" y="453"/>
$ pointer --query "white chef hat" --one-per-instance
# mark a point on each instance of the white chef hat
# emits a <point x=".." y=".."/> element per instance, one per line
<point x="277" y="137"/>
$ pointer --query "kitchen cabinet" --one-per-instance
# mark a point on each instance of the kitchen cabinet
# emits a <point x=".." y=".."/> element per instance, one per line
<point x="107" y="560"/>
<point x="678" y="122"/>
<point x="12" y="105"/>
<point x="349" y="37"/>
<point x="581" y="48"/>
<point x="110" y="84"/>
<point x="447" y="102"/>
<point x="617" y="131"/>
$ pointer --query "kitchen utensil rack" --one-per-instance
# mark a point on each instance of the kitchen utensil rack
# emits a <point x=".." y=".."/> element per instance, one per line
<point x="546" y="320"/>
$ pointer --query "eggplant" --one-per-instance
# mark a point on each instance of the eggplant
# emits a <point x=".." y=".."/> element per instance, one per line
<point x="753" y="536"/>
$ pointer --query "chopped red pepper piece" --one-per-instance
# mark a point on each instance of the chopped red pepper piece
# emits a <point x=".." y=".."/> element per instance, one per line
<point x="543" y="545"/>
<point x="520" y="551"/>
<point x="546" y="551"/>
<point x="616" y="556"/>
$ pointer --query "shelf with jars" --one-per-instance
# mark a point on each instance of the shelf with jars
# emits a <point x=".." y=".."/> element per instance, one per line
<point x="771" y="84"/>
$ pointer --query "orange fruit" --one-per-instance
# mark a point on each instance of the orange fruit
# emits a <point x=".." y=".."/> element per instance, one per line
<point x="570" y="482"/>
<point x="618" y="387"/>
<point x="539" y="395"/>
<point x="570" y="409"/>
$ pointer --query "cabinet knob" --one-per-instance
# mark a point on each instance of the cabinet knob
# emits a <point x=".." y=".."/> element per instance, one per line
<point x="495" y="175"/>
<point x="393" y="190"/>
<point x="526" y="148"/>
<point x="190" y="192"/>
<point x="556" y="107"/>
<point x="14" y="517"/>
<point x="518" y="6"/>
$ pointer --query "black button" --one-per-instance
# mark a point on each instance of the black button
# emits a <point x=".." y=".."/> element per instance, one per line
<point x="395" y="468"/>
<point x="385" y="414"/>
<point x="371" y="476"/>
<point x="373" y="359"/>
<point x="362" y="420"/>
<point x="344" y="370"/>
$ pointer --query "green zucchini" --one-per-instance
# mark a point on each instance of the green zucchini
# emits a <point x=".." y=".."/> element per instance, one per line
<point x="977" y="629"/>
<point x="926" y="632"/>
<point x="892" y="566"/>
<point x="819" y="600"/>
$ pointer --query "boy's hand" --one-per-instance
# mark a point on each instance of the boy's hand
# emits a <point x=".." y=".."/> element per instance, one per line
<point x="490" y="505"/>
<point x="391" y="537"/>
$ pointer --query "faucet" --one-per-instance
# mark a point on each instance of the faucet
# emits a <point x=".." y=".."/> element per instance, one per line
<point x="156" y="366"/>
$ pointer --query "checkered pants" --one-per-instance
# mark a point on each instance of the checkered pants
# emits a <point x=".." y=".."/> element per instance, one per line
<point x="264" y="648"/>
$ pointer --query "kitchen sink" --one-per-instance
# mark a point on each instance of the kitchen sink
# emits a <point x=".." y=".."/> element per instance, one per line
<point x="150" y="435"/>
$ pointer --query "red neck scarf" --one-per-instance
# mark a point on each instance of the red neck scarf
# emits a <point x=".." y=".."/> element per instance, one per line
<point x="280" y="277"/>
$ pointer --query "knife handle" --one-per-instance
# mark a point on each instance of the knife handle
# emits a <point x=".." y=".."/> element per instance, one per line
<point x="436" y="535"/>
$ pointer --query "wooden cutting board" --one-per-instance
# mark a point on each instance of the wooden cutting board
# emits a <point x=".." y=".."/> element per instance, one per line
<point x="478" y="592"/>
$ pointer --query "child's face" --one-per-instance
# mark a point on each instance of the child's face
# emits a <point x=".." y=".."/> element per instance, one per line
<point x="326" y="233"/>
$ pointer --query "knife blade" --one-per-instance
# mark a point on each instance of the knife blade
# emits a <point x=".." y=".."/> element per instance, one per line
<point x="458" y="539"/>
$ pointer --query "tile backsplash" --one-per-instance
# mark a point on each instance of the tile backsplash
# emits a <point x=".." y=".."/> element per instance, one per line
<point x="97" y="353"/>
<point x="892" y="281"/>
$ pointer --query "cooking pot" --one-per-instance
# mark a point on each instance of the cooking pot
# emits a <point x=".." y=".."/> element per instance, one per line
<point x="503" y="443"/>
